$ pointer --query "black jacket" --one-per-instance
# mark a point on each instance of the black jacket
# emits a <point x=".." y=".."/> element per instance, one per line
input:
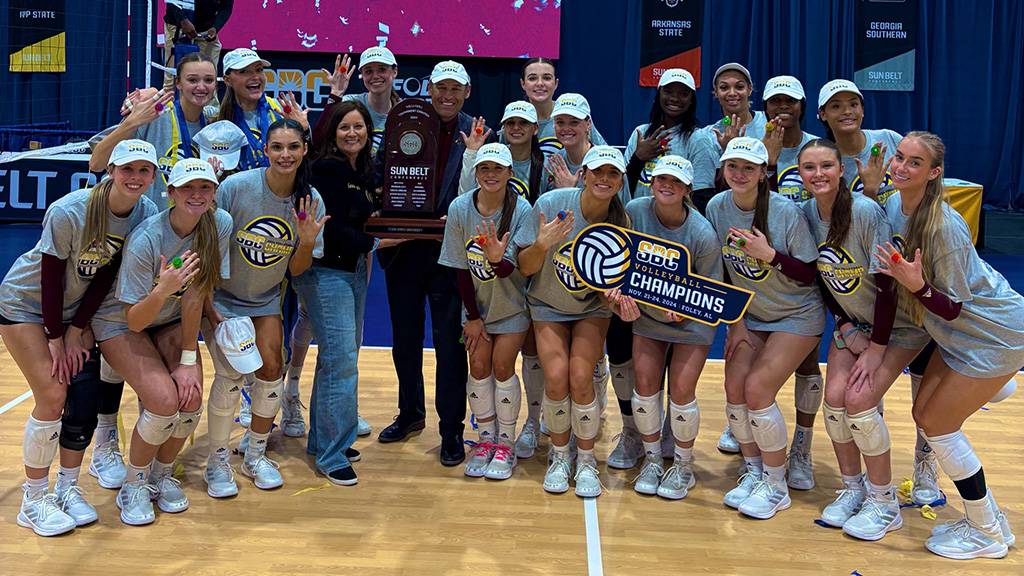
<point x="346" y="197"/>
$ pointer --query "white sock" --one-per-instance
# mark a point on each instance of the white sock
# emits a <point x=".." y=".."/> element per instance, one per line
<point x="257" y="446"/>
<point x="291" y="386"/>
<point x="106" y="428"/>
<point x="855" y="482"/>
<point x="136" y="473"/>
<point x="776" y="475"/>
<point x="652" y="449"/>
<point x="561" y="451"/>
<point x="802" y="439"/>
<point x="981" y="512"/>
<point x="159" y="469"/>
<point x="921" y="449"/>
<point x="684" y="455"/>
<point x="586" y="456"/>
<point x="67" y="476"/>
<point x="36" y="486"/>
<point x="880" y="491"/>
<point x="488" y="430"/>
<point x="754" y="464"/>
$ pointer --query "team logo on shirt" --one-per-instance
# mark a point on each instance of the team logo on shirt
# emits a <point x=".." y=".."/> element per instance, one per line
<point x="839" y="270"/>
<point x="899" y="242"/>
<point x="177" y="295"/>
<point x="173" y="155"/>
<point x="792" y="186"/>
<point x="521" y="188"/>
<point x="478" y="264"/>
<point x="265" y="241"/>
<point x="746" y="266"/>
<point x="549" y="145"/>
<point x="376" y="142"/>
<point x="562" y="261"/>
<point x="884" y="191"/>
<point x="90" y="260"/>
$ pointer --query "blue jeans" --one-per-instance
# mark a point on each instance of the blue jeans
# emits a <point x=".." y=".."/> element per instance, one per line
<point x="335" y="301"/>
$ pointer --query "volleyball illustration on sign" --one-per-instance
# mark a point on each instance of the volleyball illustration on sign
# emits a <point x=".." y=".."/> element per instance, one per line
<point x="655" y="272"/>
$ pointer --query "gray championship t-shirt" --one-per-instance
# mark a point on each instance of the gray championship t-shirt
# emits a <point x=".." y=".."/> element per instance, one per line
<point x="885" y="137"/>
<point x="790" y="184"/>
<point x="694" y="148"/>
<point x="265" y="236"/>
<point x="63" y="224"/>
<point x="780" y="304"/>
<point x="754" y="128"/>
<point x="700" y="240"/>
<point x="500" y="301"/>
<point x="520" y="175"/>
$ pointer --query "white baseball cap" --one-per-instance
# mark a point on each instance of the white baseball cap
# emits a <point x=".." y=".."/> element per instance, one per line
<point x="377" y="54"/>
<point x="574" y="105"/>
<point x="236" y="338"/>
<point x="677" y="75"/>
<point x="131" y="150"/>
<point x="493" y="152"/>
<point x="733" y="66"/>
<point x="222" y="139"/>
<point x="750" y="149"/>
<point x="239" y="58"/>
<point x="834" y="87"/>
<point x="787" y="85"/>
<point x="520" y="109"/>
<point x="189" y="169"/>
<point x="672" y="165"/>
<point x="600" y="155"/>
<point x="449" y="70"/>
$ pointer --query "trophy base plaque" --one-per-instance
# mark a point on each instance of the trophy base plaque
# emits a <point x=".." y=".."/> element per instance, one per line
<point x="423" y="228"/>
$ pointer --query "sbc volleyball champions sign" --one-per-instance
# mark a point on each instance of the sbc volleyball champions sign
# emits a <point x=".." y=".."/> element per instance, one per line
<point x="655" y="272"/>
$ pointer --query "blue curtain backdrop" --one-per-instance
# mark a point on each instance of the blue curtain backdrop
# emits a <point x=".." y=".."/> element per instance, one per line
<point x="970" y="71"/>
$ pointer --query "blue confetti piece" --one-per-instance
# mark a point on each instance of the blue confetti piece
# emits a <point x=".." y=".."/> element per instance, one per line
<point x="855" y="573"/>
<point x="472" y="422"/>
<point x="822" y="523"/>
<point x="985" y="408"/>
<point x="940" y="502"/>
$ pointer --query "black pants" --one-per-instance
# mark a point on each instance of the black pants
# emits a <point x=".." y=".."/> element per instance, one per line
<point x="414" y="276"/>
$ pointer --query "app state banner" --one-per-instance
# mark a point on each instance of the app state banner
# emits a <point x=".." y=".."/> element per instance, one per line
<point x="36" y="36"/>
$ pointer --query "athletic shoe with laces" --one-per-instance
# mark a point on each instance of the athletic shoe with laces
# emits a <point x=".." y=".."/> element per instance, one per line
<point x="73" y="503"/>
<point x="847" y="503"/>
<point x="727" y="443"/>
<point x="245" y="408"/>
<point x="502" y="464"/>
<point x="526" y="443"/>
<point x="1004" y="526"/>
<point x="766" y="498"/>
<point x="677" y="481"/>
<point x="926" y="480"/>
<point x="107" y="465"/>
<point x="42" y="513"/>
<point x="588" y="481"/>
<point x="628" y="450"/>
<point x="293" y="424"/>
<point x="968" y="540"/>
<point x="876" y="517"/>
<point x="135" y="501"/>
<point x="479" y="458"/>
<point x="572" y="448"/>
<point x="363" y="427"/>
<point x="264" y="472"/>
<point x="744" y="485"/>
<point x="220" y="479"/>
<point x="556" y="479"/>
<point x="800" y="471"/>
<point x="169" y="496"/>
<point x="650" y="476"/>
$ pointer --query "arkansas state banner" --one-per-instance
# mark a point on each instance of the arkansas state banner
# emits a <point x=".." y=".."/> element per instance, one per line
<point x="885" y="47"/>
<point x="670" y="38"/>
<point x="36" y="35"/>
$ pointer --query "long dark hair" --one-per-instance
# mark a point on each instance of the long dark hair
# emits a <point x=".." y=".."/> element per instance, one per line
<point x="761" y="208"/>
<point x="536" y="170"/>
<point x="842" y="210"/>
<point x="301" y="188"/>
<point x="829" y="135"/>
<point x="687" y="120"/>
<point x="327" y="147"/>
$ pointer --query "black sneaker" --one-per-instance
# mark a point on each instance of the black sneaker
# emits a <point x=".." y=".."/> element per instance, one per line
<point x="353" y="455"/>
<point x="343" y="476"/>
<point x="399" y="430"/>
<point x="453" y="451"/>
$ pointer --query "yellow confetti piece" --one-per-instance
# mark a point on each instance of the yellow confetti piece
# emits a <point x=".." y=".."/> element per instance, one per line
<point x="120" y="433"/>
<point x="927" y="512"/>
<point x="906" y="488"/>
<point x="312" y="489"/>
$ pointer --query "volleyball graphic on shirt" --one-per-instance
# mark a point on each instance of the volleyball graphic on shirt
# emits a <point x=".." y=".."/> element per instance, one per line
<point x="884" y="191"/>
<point x="561" y="260"/>
<point x="900" y="243"/>
<point x="265" y="241"/>
<point x="549" y="145"/>
<point x="90" y="260"/>
<point x="478" y="264"/>
<point x="173" y="154"/>
<point x="746" y="266"/>
<point x="839" y="270"/>
<point x="519" y="187"/>
<point x="603" y="257"/>
<point x="792" y="186"/>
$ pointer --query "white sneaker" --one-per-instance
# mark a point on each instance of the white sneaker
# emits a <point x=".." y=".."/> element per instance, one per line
<point x="479" y="458"/>
<point x="677" y="481"/>
<point x="169" y="496"/>
<point x="293" y="424"/>
<point x="847" y="503"/>
<point x="627" y="451"/>
<point x="220" y="479"/>
<point x="363" y="427"/>
<point x="107" y="465"/>
<point x="502" y="464"/>
<point x="588" y="481"/>
<point x="766" y="498"/>
<point x="245" y="409"/>
<point x="526" y="443"/>
<point x="968" y="540"/>
<point x="800" y="471"/>
<point x="73" y="503"/>
<point x="572" y="448"/>
<point x="650" y="476"/>
<point x="135" y="501"/>
<point x="263" y="472"/>
<point x="745" y="484"/>
<point x="727" y="443"/>
<point x="1004" y="526"/>
<point x="926" y="481"/>
<point x="42" y="513"/>
<point x="556" y="479"/>
<point x="876" y="517"/>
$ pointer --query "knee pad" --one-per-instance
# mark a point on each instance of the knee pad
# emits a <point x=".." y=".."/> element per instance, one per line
<point x="508" y="397"/>
<point x="187" y="423"/>
<point x="739" y="422"/>
<point x="224" y="394"/>
<point x="108" y="374"/>
<point x="40" y="444"/>
<point x="556" y="414"/>
<point x="266" y="397"/>
<point x="481" y="396"/>
<point x="81" y="406"/>
<point x="835" y="425"/>
<point x="646" y="413"/>
<point x="955" y="454"/>
<point x="1006" y="391"/>
<point x="869" y="432"/>
<point x="155" y="429"/>
<point x="768" y="428"/>
<point x="623" y="380"/>
<point x="586" y="420"/>
<point x="533" y="380"/>
<point x="809" y="393"/>
<point x="110" y="396"/>
<point x="601" y="370"/>
<point x="685" y="421"/>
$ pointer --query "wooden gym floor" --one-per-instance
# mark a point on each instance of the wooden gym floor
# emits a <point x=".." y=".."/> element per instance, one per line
<point x="410" y="516"/>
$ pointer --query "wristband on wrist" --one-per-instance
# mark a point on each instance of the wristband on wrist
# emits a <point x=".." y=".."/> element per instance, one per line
<point x="188" y="358"/>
